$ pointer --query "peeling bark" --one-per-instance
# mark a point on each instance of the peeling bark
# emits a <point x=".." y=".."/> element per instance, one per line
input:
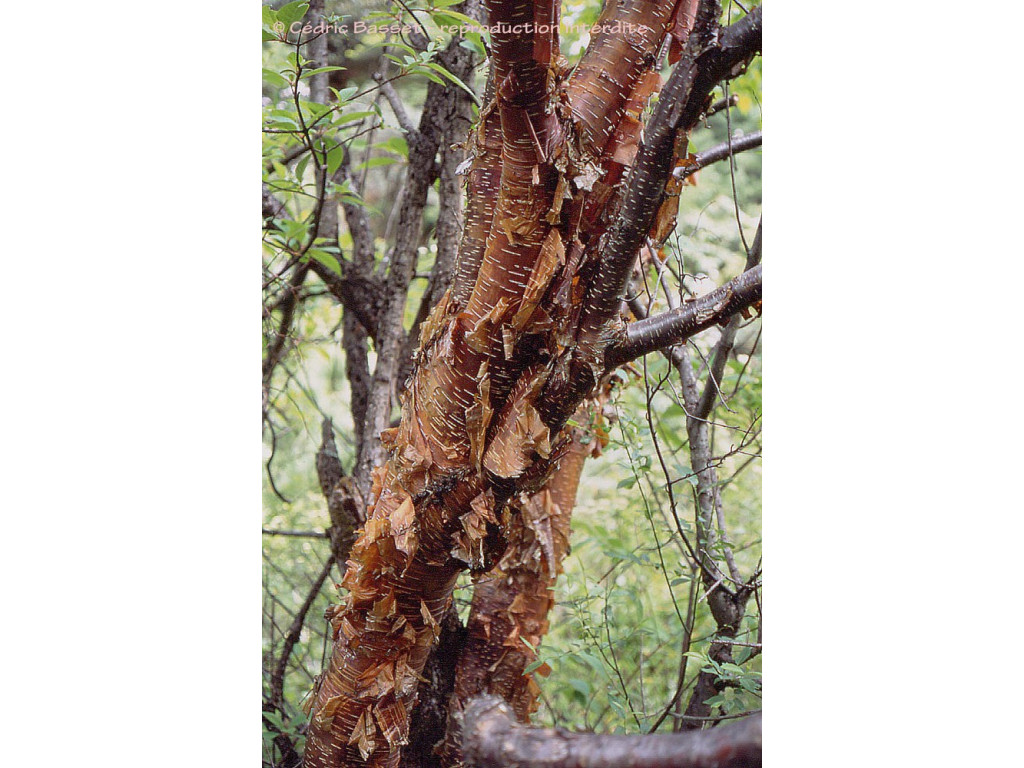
<point x="492" y="383"/>
<point x="711" y="55"/>
<point x="441" y="108"/>
<point x="511" y="604"/>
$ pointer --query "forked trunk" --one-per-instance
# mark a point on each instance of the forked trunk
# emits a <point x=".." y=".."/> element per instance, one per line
<point x="496" y="374"/>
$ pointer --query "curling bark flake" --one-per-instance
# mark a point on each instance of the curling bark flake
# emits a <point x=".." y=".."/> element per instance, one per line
<point x="508" y="617"/>
<point x="491" y="389"/>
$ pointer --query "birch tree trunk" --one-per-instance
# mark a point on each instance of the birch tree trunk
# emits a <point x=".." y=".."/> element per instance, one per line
<point x="561" y="197"/>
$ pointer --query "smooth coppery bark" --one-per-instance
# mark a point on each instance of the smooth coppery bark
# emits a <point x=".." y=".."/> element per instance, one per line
<point x="493" y="739"/>
<point x="597" y="100"/>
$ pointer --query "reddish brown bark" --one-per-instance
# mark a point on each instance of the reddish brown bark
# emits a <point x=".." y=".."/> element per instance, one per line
<point x="511" y="604"/>
<point x="471" y="437"/>
<point x="623" y="48"/>
<point x="432" y="510"/>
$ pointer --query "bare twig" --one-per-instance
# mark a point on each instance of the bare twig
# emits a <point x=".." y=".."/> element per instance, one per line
<point x="720" y="152"/>
<point x="299" y="534"/>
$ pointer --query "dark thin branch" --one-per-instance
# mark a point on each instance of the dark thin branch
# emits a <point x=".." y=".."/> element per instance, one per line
<point x="345" y="510"/>
<point x="679" y="107"/>
<point x="292" y="636"/>
<point x="299" y="534"/>
<point x="724" y="103"/>
<point x="492" y="739"/>
<point x="447" y="234"/>
<point x="677" y="325"/>
<point x="357" y="371"/>
<point x="720" y="355"/>
<point x="287" y="305"/>
<point x="273" y="449"/>
<point x="721" y="152"/>
<point x="360" y="296"/>
<point x="357" y="290"/>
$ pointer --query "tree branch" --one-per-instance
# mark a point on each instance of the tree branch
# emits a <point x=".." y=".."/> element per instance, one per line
<point x="287" y="305"/>
<point x="396" y="103"/>
<point x="299" y="534"/>
<point x="677" y="325"/>
<point x="720" y="355"/>
<point x="345" y="511"/>
<point x="680" y="105"/>
<point x="492" y="739"/>
<point x="720" y="152"/>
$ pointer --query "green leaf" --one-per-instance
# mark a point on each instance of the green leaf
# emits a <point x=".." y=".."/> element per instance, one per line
<point x="617" y="706"/>
<point x="348" y="117"/>
<point x="334" y="158"/>
<point x="594" y="662"/>
<point x="300" y="167"/>
<point x="532" y="666"/>
<point x="716" y="701"/>
<point x="325" y="258"/>
<point x="282" y="124"/>
<point x="292" y="12"/>
<point x="295" y="229"/>
<point x="396" y="144"/>
<point x="749" y="684"/>
<point x="461" y="19"/>
<point x="279" y="167"/>
<point x="345" y="94"/>
<point x="580" y="685"/>
<point x="320" y="70"/>
<point x="473" y="42"/>
<point x="274" y="79"/>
